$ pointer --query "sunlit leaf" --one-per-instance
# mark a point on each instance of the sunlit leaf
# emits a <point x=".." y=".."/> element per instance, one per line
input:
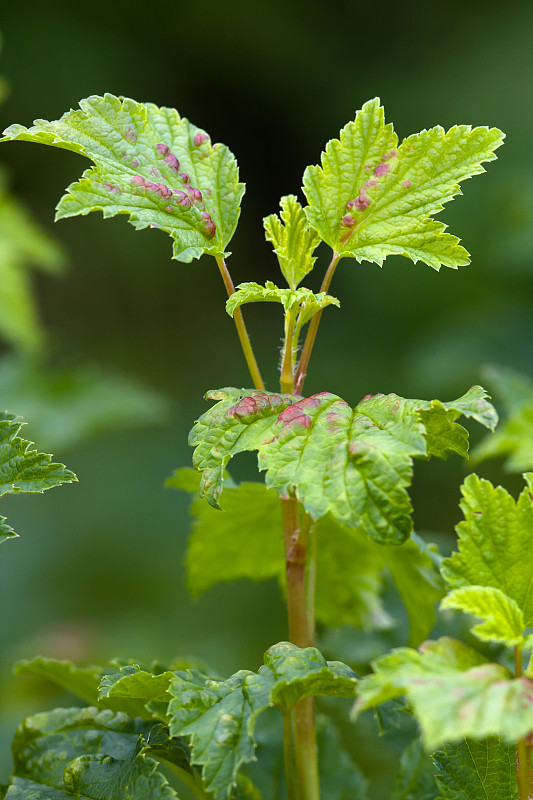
<point x="503" y="621"/>
<point x="293" y="241"/>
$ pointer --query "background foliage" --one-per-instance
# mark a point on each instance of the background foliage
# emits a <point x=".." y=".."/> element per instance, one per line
<point x="98" y="569"/>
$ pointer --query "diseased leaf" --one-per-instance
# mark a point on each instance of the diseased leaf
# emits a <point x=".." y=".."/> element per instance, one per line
<point x="503" y="621"/>
<point x="477" y="770"/>
<point x="23" y="246"/>
<point x="151" y="164"/>
<point x="354" y="463"/>
<point x="219" y="716"/>
<point x="416" y="778"/>
<point x="452" y="696"/>
<point x="298" y="301"/>
<point x="495" y="543"/>
<point x="293" y="240"/>
<point x="370" y="198"/>
<point x="81" y="681"/>
<point x="514" y="438"/>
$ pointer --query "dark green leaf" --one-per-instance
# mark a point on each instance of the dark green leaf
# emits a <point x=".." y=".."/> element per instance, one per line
<point x="81" y="681"/>
<point x="416" y="778"/>
<point x="477" y="770"/>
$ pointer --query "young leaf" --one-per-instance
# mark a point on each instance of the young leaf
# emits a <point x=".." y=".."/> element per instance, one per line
<point x="302" y="300"/>
<point x="85" y="753"/>
<point x="477" y="770"/>
<point x="81" y="681"/>
<point x="503" y="621"/>
<point x="132" y="688"/>
<point x="452" y="698"/>
<point x="219" y="716"/>
<point x="23" y="245"/>
<point x="23" y="470"/>
<point x="354" y="463"/>
<point x="494" y="543"/>
<point x="416" y="778"/>
<point x="293" y="241"/>
<point x="514" y="437"/>
<point x="370" y="199"/>
<point x="151" y="164"/>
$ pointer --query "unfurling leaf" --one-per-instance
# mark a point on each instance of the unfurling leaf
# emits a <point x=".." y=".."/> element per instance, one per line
<point x="293" y="241"/>
<point x="219" y="717"/>
<point x="150" y="164"/>
<point x="495" y="543"/>
<point x="353" y="463"/>
<point x="24" y="470"/>
<point x="297" y="301"/>
<point x="370" y="198"/>
<point x="503" y="621"/>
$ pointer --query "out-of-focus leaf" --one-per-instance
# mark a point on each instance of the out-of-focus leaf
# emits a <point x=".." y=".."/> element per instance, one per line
<point x="293" y="240"/>
<point x="81" y="681"/>
<point x="416" y="778"/>
<point x="66" y="406"/>
<point x="370" y="198"/>
<point x="494" y="543"/>
<point x="477" y="770"/>
<point x="219" y="716"/>
<point x="150" y="164"/>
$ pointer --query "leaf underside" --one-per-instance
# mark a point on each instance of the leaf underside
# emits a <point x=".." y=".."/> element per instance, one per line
<point x="151" y="164"/>
<point x="352" y="463"/>
<point x="370" y="198"/>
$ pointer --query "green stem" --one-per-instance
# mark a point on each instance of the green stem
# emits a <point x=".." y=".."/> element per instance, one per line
<point x="241" y="328"/>
<point x="287" y="360"/>
<point x="305" y="750"/>
<point x="307" y="349"/>
<point x="311" y="575"/>
<point x="523" y="750"/>
<point x="290" y="775"/>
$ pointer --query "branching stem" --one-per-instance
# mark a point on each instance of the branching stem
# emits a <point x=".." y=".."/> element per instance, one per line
<point x="307" y="349"/>
<point x="241" y="328"/>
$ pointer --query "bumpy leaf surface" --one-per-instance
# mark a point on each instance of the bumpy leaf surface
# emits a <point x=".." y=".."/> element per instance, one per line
<point x="477" y="770"/>
<point x="452" y="692"/>
<point x="495" y="543"/>
<point x="219" y="716"/>
<point x="513" y="439"/>
<point x="503" y="621"/>
<point x="85" y="753"/>
<point x="246" y="541"/>
<point x="151" y="164"/>
<point x="23" y="245"/>
<point x="302" y="301"/>
<point x="354" y="463"/>
<point x="370" y="198"/>
<point x="293" y="241"/>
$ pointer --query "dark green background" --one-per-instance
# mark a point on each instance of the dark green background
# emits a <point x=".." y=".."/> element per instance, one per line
<point x="98" y="569"/>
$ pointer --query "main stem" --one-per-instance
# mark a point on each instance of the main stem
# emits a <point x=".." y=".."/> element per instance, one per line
<point x="241" y="328"/>
<point x="523" y="751"/>
<point x="307" y="349"/>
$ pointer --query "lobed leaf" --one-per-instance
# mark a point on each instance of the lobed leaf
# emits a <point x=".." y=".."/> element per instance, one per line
<point x="6" y="531"/>
<point x="219" y="717"/>
<point x="503" y="621"/>
<point x="370" y="198"/>
<point x="151" y="164"/>
<point x="477" y="770"/>
<point x="353" y="463"/>
<point x="293" y="240"/>
<point x="495" y="543"/>
<point x="301" y="301"/>
<point x="132" y="689"/>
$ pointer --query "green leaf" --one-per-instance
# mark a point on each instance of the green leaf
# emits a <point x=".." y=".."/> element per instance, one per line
<point x="293" y="241"/>
<point x="23" y="246"/>
<point x="416" y="778"/>
<point x="477" y="770"/>
<point x="23" y="470"/>
<point x="132" y="688"/>
<point x="452" y="696"/>
<point x="81" y="681"/>
<point x="141" y="154"/>
<point x="354" y="463"/>
<point x="86" y="753"/>
<point x="301" y="301"/>
<point x="370" y="199"/>
<point x="219" y="716"/>
<point x="514" y="437"/>
<point x="68" y="405"/>
<point x="503" y="621"/>
<point x="6" y="531"/>
<point x="494" y="543"/>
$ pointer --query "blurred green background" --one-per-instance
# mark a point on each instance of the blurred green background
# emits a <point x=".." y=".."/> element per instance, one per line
<point x="97" y="571"/>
